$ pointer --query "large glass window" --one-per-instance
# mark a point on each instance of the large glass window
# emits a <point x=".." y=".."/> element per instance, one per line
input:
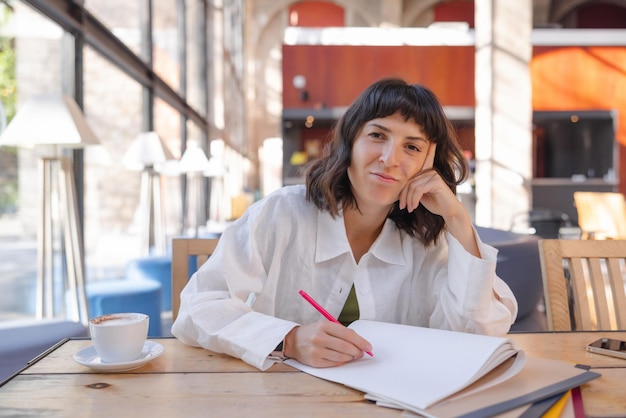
<point x="167" y="123"/>
<point x="32" y="64"/>
<point x="196" y="63"/>
<point x="165" y="48"/>
<point x="112" y="210"/>
<point x="120" y="98"/>
<point x="123" y="18"/>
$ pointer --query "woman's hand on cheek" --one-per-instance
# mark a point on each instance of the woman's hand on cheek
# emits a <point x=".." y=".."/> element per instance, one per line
<point x="414" y="190"/>
<point x="324" y="344"/>
<point x="428" y="188"/>
<point x="421" y="189"/>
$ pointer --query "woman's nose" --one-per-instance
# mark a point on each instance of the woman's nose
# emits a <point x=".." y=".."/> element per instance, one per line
<point x="388" y="154"/>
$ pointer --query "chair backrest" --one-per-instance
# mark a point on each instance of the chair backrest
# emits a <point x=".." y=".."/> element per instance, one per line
<point x="182" y="249"/>
<point x="583" y="284"/>
<point x="601" y="214"/>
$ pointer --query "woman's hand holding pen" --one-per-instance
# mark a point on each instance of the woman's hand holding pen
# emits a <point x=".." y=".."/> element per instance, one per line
<point x="324" y="344"/>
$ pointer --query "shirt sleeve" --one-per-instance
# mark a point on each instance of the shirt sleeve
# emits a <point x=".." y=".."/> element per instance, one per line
<point x="214" y="313"/>
<point x="472" y="298"/>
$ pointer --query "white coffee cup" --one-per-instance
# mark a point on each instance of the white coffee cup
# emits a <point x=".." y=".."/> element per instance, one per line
<point x="119" y="337"/>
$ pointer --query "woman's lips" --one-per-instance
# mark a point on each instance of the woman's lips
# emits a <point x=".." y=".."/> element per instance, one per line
<point x="385" y="177"/>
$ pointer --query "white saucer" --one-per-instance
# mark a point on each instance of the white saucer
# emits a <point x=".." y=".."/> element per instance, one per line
<point x="89" y="357"/>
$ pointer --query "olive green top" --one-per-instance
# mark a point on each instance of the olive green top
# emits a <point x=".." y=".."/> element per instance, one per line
<point x="350" y="311"/>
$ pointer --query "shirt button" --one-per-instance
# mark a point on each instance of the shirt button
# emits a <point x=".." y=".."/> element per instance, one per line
<point x="364" y="291"/>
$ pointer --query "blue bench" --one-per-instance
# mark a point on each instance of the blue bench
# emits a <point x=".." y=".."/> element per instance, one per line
<point x="157" y="268"/>
<point x="123" y="295"/>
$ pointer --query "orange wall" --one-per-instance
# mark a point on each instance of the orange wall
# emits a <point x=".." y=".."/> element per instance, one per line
<point x="337" y="74"/>
<point x="455" y="11"/>
<point x="316" y="14"/>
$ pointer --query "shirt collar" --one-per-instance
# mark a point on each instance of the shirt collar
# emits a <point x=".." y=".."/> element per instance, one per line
<point x="331" y="240"/>
<point x="388" y="245"/>
<point x="331" y="237"/>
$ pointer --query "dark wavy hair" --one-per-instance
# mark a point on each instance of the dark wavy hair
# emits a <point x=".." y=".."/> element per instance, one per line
<point x="327" y="183"/>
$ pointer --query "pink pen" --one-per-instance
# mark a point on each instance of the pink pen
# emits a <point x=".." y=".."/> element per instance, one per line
<point x="323" y="311"/>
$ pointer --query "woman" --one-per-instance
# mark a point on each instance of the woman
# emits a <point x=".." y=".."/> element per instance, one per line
<point x="377" y="233"/>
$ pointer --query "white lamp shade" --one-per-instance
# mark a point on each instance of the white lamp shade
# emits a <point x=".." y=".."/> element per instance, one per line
<point x="194" y="160"/>
<point x="216" y="168"/>
<point x="146" y="150"/>
<point x="49" y="119"/>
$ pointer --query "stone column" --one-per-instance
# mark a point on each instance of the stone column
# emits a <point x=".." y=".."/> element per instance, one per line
<point x="391" y="13"/>
<point x="503" y="110"/>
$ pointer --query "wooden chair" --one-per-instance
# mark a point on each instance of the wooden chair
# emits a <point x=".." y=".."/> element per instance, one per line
<point x="583" y="283"/>
<point x="182" y="250"/>
<point x="601" y="215"/>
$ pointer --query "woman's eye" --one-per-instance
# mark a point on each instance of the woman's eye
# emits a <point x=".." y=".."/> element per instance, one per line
<point x="414" y="148"/>
<point x="376" y="135"/>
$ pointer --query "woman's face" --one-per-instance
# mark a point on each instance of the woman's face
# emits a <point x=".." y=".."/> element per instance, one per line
<point x="386" y="154"/>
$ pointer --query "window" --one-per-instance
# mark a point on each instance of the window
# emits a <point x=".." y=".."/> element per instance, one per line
<point x="115" y="84"/>
<point x="38" y="48"/>
<point x="111" y="199"/>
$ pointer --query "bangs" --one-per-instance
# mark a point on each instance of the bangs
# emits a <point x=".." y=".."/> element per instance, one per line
<point x="412" y="102"/>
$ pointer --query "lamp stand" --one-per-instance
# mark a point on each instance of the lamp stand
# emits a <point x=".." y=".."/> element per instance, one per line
<point x="59" y="230"/>
<point x="150" y="206"/>
<point x="196" y="203"/>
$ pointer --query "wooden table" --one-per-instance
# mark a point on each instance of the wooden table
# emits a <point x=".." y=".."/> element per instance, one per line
<point x="187" y="381"/>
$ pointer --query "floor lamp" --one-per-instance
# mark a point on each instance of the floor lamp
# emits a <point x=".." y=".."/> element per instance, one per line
<point x="146" y="154"/>
<point x="49" y="124"/>
<point x="194" y="163"/>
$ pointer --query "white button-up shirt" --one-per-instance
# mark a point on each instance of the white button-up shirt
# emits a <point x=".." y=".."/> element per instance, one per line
<point x="244" y="299"/>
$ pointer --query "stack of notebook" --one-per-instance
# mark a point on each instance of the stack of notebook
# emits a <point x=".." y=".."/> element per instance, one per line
<point x="438" y="373"/>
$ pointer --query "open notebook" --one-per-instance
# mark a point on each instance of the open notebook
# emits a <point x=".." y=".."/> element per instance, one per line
<point x="428" y="371"/>
<point x="421" y="366"/>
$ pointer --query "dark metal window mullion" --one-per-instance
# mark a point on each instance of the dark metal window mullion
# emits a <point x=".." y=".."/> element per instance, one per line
<point x="145" y="28"/>
<point x="181" y="30"/>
